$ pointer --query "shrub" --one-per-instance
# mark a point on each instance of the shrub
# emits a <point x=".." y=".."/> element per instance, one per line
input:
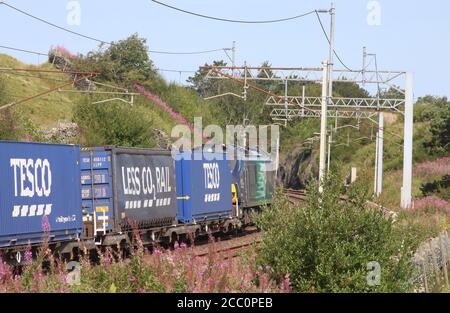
<point x="438" y="187"/>
<point x="327" y="243"/>
<point x="114" y="124"/>
<point x="440" y="135"/>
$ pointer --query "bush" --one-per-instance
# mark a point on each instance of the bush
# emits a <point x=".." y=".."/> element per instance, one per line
<point x="440" y="135"/>
<point x="326" y="244"/>
<point x="439" y="187"/>
<point x="114" y="124"/>
<point x="428" y="108"/>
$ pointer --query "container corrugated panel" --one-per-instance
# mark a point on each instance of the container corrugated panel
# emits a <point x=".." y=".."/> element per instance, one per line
<point x="145" y="187"/>
<point x="39" y="189"/>
<point x="203" y="187"/>
<point x="97" y="193"/>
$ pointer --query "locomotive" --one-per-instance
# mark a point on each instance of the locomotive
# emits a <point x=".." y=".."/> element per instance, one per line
<point x="81" y="198"/>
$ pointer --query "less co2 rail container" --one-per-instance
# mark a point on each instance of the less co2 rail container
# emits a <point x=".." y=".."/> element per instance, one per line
<point x="131" y="187"/>
<point x="39" y="193"/>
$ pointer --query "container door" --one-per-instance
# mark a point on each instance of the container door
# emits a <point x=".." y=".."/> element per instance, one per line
<point x="96" y="180"/>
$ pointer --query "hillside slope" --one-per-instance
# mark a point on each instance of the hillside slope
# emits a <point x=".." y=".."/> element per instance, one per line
<point x="37" y="117"/>
<point x="44" y="111"/>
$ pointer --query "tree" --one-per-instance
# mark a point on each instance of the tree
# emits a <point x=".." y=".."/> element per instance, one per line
<point x="440" y="132"/>
<point x="349" y="90"/>
<point x="124" y="61"/>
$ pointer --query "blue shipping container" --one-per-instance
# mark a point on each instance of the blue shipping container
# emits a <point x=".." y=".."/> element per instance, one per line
<point x="39" y="190"/>
<point x="130" y="186"/>
<point x="203" y="187"/>
<point x="97" y="193"/>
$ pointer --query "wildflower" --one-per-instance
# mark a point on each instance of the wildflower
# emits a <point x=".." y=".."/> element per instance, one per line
<point x="431" y="204"/>
<point x="28" y="256"/>
<point x="3" y="269"/>
<point x="106" y="260"/>
<point x="45" y="224"/>
<point x="176" y="273"/>
<point x="157" y="251"/>
<point x="183" y="246"/>
<point x="176" y="245"/>
<point x="286" y="282"/>
<point x="433" y="168"/>
<point x="132" y="278"/>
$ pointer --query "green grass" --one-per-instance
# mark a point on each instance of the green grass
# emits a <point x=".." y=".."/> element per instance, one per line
<point x="45" y="111"/>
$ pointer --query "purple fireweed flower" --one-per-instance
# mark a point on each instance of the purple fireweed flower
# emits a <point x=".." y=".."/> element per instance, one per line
<point x="433" y="203"/>
<point x="222" y="266"/>
<point x="45" y="224"/>
<point x="176" y="273"/>
<point x="286" y="282"/>
<point x="433" y="168"/>
<point x="176" y="245"/>
<point x="106" y="260"/>
<point x="183" y="246"/>
<point x="157" y="251"/>
<point x="28" y="256"/>
<point x="3" y="269"/>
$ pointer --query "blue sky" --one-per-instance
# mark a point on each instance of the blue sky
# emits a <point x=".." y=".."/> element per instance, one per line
<point x="412" y="35"/>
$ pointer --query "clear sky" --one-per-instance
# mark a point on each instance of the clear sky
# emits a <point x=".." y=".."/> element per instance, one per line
<point x="411" y="35"/>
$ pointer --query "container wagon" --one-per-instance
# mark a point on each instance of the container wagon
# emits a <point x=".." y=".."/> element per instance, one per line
<point x="253" y="179"/>
<point x="126" y="190"/>
<point x="39" y="196"/>
<point x="204" y="191"/>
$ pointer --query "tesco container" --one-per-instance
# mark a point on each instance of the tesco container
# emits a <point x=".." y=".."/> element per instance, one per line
<point x="131" y="186"/>
<point x="203" y="187"/>
<point x="39" y="190"/>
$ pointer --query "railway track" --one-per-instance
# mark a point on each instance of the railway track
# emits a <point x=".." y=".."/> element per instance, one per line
<point x="296" y="196"/>
<point x="230" y="247"/>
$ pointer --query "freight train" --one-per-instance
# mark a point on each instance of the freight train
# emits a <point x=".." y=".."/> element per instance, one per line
<point x="78" y="199"/>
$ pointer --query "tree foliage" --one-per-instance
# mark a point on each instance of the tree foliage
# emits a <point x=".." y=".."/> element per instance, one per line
<point x="436" y="111"/>
<point x="125" y="61"/>
<point x="326" y="244"/>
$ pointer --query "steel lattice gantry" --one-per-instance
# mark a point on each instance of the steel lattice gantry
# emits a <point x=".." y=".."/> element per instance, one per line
<point x="289" y="107"/>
